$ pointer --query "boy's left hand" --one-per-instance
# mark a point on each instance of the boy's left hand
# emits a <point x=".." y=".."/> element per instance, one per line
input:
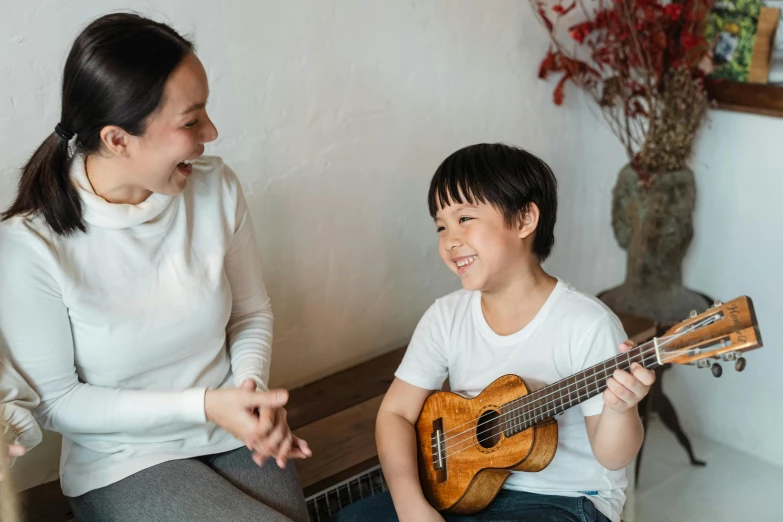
<point x="624" y="390"/>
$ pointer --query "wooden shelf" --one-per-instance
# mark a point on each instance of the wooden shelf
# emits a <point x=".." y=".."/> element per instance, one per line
<point x="755" y="98"/>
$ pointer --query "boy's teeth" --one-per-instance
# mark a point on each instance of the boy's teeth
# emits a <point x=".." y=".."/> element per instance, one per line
<point x="466" y="261"/>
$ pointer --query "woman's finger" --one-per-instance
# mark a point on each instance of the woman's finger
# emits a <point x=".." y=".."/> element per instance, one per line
<point x="248" y="385"/>
<point x="265" y="423"/>
<point x="302" y="446"/>
<point x="275" y="438"/>
<point x="284" y="450"/>
<point x="267" y="399"/>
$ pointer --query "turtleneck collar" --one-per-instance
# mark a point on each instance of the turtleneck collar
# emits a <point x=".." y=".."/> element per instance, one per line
<point x="100" y="213"/>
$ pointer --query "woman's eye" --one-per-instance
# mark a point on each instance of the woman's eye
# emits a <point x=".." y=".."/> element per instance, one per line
<point x="441" y="229"/>
<point x="191" y="124"/>
<point x="464" y="218"/>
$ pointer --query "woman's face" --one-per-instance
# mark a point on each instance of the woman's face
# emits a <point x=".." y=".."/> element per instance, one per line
<point x="176" y="132"/>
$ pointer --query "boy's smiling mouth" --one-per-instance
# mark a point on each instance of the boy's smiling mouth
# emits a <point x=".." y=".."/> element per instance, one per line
<point x="464" y="263"/>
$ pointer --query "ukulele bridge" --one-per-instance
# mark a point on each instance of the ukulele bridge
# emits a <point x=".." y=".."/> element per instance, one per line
<point x="439" y="449"/>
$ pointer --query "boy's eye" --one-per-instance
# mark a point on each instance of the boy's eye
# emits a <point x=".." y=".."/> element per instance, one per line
<point x="441" y="229"/>
<point x="464" y="218"/>
<point x="191" y="124"/>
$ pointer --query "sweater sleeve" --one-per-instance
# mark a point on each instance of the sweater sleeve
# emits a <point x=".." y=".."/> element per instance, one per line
<point x="249" y="329"/>
<point x="35" y="326"/>
<point x="17" y="402"/>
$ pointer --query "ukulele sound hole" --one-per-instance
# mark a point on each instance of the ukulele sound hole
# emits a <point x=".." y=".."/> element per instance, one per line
<point x="488" y="429"/>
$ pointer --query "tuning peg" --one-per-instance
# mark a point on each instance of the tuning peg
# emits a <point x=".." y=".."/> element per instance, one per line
<point x="716" y="303"/>
<point x="717" y="371"/>
<point x="694" y="313"/>
<point x="740" y="364"/>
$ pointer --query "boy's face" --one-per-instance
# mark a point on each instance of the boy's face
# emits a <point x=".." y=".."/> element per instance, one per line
<point x="478" y="246"/>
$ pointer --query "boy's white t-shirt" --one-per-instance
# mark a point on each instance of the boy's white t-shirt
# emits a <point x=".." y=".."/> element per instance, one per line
<point x="571" y="332"/>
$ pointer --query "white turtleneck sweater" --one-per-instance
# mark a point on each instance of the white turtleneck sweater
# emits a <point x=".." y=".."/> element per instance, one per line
<point x="121" y="329"/>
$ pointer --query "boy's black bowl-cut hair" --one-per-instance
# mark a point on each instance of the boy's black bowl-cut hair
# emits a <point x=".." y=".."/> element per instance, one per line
<point x="505" y="177"/>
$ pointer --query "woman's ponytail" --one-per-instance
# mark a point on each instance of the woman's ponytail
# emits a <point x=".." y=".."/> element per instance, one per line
<point x="45" y="188"/>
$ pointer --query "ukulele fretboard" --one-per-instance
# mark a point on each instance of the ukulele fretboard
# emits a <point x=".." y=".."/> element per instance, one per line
<point x="525" y="412"/>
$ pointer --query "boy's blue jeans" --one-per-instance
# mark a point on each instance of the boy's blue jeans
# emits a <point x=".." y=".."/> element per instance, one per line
<point x="508" y="505"/>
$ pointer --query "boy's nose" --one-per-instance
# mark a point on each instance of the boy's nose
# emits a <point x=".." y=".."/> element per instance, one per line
<point x="453" y="241"/>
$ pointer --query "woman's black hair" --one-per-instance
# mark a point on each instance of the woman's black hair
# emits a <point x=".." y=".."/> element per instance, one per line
<point x="114" y="75"/>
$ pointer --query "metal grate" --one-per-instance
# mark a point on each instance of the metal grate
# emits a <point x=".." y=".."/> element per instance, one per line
<point x="326" y="503"/>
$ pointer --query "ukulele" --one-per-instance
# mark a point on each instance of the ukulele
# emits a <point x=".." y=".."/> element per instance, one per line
<point x="467" y="448"/>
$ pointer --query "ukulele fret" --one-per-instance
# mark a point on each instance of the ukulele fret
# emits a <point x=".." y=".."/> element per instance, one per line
<point x="601" y="382"/>
<point x="519" y="420"/>
<point x="571" y="400"/>
<point x="513" y="418"/>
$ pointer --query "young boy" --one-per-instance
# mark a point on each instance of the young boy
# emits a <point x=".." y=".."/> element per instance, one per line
<point x="494" y="208"/>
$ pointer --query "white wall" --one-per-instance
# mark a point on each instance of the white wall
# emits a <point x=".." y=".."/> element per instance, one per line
<point x="738" y="249"/>
<point x="334" y="114"/>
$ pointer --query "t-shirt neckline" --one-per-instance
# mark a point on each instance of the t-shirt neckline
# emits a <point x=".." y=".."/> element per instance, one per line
<point x="526" y="331"/>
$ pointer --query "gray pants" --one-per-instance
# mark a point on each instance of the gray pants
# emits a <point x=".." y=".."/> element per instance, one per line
<point x="225" y="487"/>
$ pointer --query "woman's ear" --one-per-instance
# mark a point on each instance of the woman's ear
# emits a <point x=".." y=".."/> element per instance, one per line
<point x="115" y="139"/>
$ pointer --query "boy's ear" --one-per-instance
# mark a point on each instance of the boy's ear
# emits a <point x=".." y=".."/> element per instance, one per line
<point x="529" y="221"/>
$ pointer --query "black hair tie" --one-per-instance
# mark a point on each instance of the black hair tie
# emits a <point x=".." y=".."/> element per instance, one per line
<point x="62" y="133"/>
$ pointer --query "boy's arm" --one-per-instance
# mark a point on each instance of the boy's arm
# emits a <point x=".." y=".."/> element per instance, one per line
<point x="396" y="439"/>
<point x="616" y="434"/>
<point x="615" y="437"/>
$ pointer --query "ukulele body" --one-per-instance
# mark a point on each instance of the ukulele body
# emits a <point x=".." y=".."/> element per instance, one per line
<point x="478" y="460"/>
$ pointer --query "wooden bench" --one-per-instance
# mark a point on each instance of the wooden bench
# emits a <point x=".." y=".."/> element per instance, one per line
<point x="335" y="415"/>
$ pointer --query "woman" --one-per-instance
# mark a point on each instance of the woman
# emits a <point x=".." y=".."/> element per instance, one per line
<point x="131" y="295"/>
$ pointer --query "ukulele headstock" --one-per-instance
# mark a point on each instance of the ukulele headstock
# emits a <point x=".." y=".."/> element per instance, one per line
<point x="724" y="332"/>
